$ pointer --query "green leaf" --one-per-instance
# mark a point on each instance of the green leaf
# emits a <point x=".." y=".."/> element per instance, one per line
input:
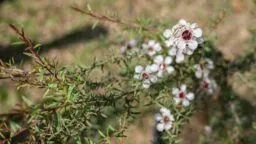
<point x="70" y="90"/>
<point x="95" y="24"/>
<point x="18" y="43"/>
<point x="52" y="85"/>
<point x="101" y="134"/>
<point x="89" y="7"/>
<point x="37" y="46"/>
<point x="254" y="125"/>
<point x="27" y="101"/>
<point x="56" y="121"/>
<point x="78" y="140"/>
<point x="14" y="128"/>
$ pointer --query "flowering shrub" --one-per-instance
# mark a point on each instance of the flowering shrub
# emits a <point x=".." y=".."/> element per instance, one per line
<point x="170" y="71"/>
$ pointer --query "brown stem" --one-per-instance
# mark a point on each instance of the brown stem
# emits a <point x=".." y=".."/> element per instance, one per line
<point x="31" y="48"/>
<point x="110" y="19"/>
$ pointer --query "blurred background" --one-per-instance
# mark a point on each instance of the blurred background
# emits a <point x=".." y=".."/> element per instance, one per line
<point x="66" y="36"/>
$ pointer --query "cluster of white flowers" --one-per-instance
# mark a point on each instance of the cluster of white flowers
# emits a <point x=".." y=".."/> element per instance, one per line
<point x="165" y="119"/>
<point x="202" y="71"/>
<point x="180" y="41"/>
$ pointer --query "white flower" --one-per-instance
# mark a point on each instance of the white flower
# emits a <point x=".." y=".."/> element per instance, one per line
<point x="145" y="75"/>
<point x="209" y="85"/>
<point x="179" y="54"/>
<point x="183" y="38"/>
<point x="162" y="65"/>
<point x="129" y="46"/>
<point x="203" y="70"/>
<point x="181" y="96"/>
<point x="152" y="47"/>
<point x="208" y="129"/>
<point x="164" y="120"/>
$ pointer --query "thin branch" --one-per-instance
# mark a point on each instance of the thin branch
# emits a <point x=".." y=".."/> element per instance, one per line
<point x="110" y="19"/>
<point x="31" y="48"/>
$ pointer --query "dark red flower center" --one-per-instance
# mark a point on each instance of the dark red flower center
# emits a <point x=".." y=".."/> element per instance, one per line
<point x="162" y="66"/>
<point x="182" y="95"/>
<point x="129" y="47"/>
<point x="145" y="75"/>
<point x="205" y="85"/>
<point x="201" y="66"/>
<point x="186" y="35"/>
<point x="166" y="119"/>
<point x="150" y="49"/>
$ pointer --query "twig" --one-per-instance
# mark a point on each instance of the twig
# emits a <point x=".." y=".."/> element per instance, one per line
<point x="31" y="48"/>
<point x="110" y="19"/>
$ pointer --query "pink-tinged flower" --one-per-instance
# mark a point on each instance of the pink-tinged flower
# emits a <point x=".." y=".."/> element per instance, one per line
<point x="129" y="46"/>
<point x="145" y="75"/>
<point x="209" y="85"/>
<point x="164" y="120"/>
<point x="183" y="39"/>
<point x="162" y="65"/>
<point x="151" y="48"/>
<point x="203" y="69"/>
<point x="181" y="96"/>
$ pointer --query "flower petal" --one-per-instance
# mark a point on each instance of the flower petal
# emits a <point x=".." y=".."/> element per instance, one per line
<point x="182" y="22"/>
<point x="198" y="74"/>
<point x="192" y="44"/>
<point x="154" y="68"/>
<point x="170" y="69"/>
<point x="146" y="84"/>
<point x="190" y="96"/>
<point x="153" y="79"/>
<point x="189" y="51"/>
<point x="193" y="25"/>
<point x="160" y="73"/>
<point x="181" y="44"/>
<point x="168" y="126"/>
<point x="167" y="33"/>
<point x="200" y="40"/>
<point x="173" y="52"/>
<point x="185" y="102"/>
<point x="159" y="59"/>
<point x="206" y="73"/>
<point x="175" y="91"/>
<point x="151" y="53"/>
<point x="172" y="118"/>
<point x="183" y="87"/>
<point x="169" y="42"/>
<point x="158" y="47"/>
<point x="132" y="43"/>
<point x="158" y="117"/>
<point x="209" y="64"/>
<point x="123" y="49"/>
<point x="165" y="111"/>
<point x="138" y="69"/>
<point x="148" y="69"/>
<point x="198" y="32"/>
<point x="168" y="60"/>
<point x="145" y="46"/>
<point x="177" y="100"/>
<point x="137" y="76"/>
<point x="160" y="127"/>
<point x="151" y="43"/>
<point x="179" y="58"/>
